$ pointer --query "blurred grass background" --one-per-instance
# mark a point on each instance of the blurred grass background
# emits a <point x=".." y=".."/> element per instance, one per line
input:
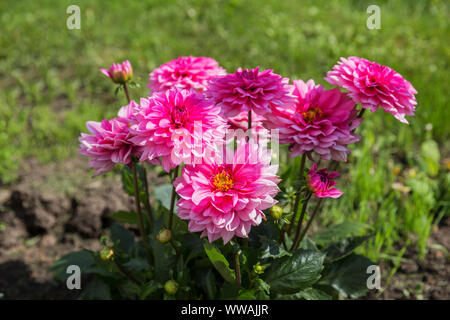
<point x="399" y="175"/>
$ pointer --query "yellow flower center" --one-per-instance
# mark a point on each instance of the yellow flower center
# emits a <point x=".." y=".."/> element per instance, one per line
<point x="223" y="181"/>
<point x="312" y="114"/>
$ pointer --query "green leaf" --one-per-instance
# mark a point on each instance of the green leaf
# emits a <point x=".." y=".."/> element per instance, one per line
<point x="149" y="288"/>
<point x="340" y="231"/>
<point x="123" y="216"/>
<point x="96" y="290"/>
<point x="271" y="249"/>
<point x="312" y="294"/>
<point x="293" y="273"/>
<point x="262" y="289"/>
<point x="343" y="248"/>
<point x="127" y="181"/>
<point x="246" y="295"/>
<point x="163" y="194"/>
<point x="348" y="275"/>
<point x="136" y="264"/>
<point x="84" y="259"/>
<point x="219" y="262"/>
<point x="123" y="237"/>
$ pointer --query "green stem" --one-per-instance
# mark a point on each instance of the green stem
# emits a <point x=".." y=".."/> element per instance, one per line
<point x="147" y="205"/>
<point x="125" y="88"/>
<point x="237" y="270"/>
<point x="299" y="223"/>
<point x="126" y="274"/>
<point x="138" y="210"/>
<point x="297" y="198"/>
<point x="172" y="200"/>
<point x="316" y="210"/>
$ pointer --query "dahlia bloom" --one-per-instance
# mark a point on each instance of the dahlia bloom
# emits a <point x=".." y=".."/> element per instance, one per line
<point x="247" y="90"/>
<point x="321" y="120"/>
<point x="226" y="199"/>
<point x="241" y="121"/>
<point x="108" y="144"/>
<point x="119" y="72"/>
<point x="321" y="184"/>
<point x="174" y="125"/>
<point x="185" y="73"/>
<point x="374" y="85"/>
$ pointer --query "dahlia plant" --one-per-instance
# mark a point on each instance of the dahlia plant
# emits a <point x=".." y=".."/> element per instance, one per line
<point x="233" y="221"/>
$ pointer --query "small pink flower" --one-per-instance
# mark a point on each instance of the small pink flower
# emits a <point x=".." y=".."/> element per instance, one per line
<point x="119" y="72"/>
<point x="185" y="73"/>
<point x="247" y="90"/>
<point x="321" y="121"/>
<point x="226" y="199"/>
<point x="374" y="85"/>
<point x="241" y="121"/>
<point x="108" y="144"/>
<point x="321" y="184"/>
<point x="175" y="125"/>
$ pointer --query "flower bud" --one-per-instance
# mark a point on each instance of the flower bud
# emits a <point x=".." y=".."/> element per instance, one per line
<point x="258" y="268"/>
<point x="276" y="212"/>
<point x="164" y="235"/>
<point x="119" y="72"/>
<point x="171" y="287"/>
<point x="106" y="254"/>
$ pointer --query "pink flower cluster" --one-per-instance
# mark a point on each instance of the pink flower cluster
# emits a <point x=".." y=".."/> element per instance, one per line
<point x="226" y="199"/>
<point x="194" y="103"/>
<point x="374" y="85"/>
<point x="321" y="121"/>
<point x="185" y="73"/>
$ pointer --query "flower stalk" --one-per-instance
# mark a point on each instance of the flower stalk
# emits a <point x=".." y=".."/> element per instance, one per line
<point x="172" y="199"/>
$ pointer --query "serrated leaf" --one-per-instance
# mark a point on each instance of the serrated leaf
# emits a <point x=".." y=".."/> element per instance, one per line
<point x="312" y="294"/>
<point x="271" y="249"/>
<point x="291" y="274"/>
<point x="219" y="262"/>
<point x="123" y="216"/>
<point x="348" y="276"/>
<point x="340" y="231"/>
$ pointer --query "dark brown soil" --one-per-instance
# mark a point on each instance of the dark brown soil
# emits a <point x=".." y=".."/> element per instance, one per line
<point x="422" y="279"/>
<point x="57" y="208"/>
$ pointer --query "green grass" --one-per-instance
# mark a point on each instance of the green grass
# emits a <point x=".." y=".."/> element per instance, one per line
<point x="51" y="84"/>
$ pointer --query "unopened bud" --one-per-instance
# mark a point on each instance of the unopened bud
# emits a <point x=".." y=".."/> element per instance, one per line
<point x="258" y="268"/>
<point x="106" y="254"/>
<point x="171" y="287"/>
<point x="276" y="212"/>
<point x="164" y="235"/>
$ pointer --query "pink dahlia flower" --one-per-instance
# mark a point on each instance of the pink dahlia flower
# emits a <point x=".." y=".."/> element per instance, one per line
<point x="321" y="184"/>
<point x="241" y="121"/>
<point x="108" y="144"/>
<point x="321" y="120"/>
<point x="374" y="85"/>
<point x="175" y="125"/>
<point x="247" y="90"/>
<point x="119" y="72"/>
<point x="226" y="200"/>
<point x="185" y="73"/>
